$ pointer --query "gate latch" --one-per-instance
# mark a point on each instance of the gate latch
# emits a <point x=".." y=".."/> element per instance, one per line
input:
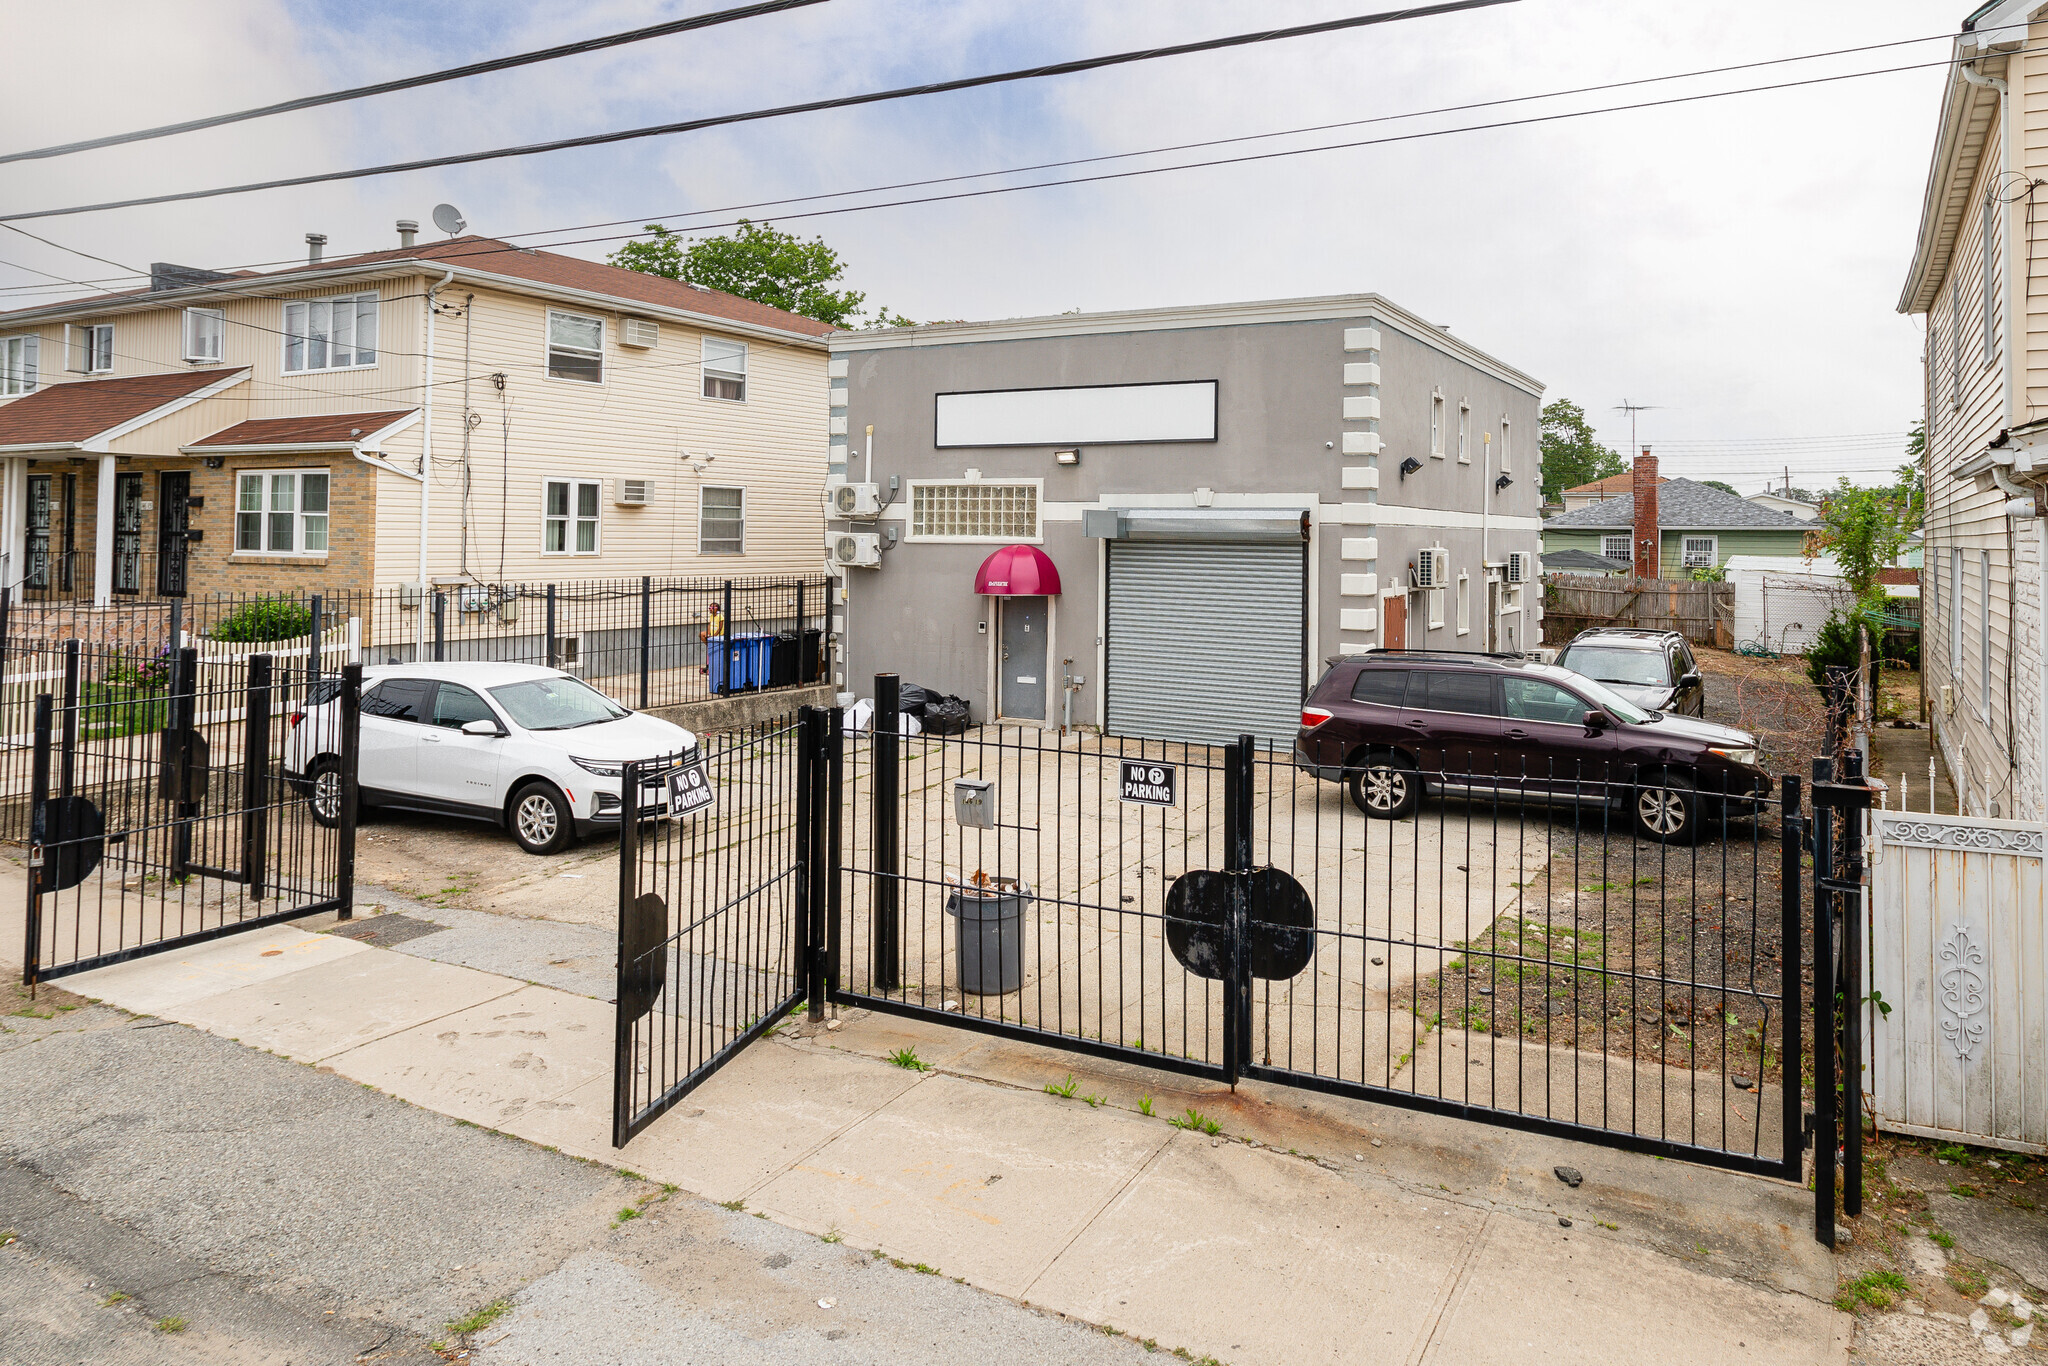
<point x="1205" y="907"/>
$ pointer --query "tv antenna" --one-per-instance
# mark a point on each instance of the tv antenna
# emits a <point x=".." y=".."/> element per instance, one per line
<point x="449" y="219"/>
<point x="1622" y="407"/>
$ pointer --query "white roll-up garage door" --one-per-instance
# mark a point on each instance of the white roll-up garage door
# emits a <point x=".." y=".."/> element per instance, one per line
<point x="1205" y="640"/>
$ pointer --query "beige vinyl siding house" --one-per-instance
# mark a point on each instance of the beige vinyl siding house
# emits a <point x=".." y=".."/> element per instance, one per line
<point x="546" y="373"/>
<point x="1986" y="397"/>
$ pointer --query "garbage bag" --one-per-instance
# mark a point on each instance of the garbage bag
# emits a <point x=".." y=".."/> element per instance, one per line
<point x="914" y="699"/>
<point x="947" y="716"/>
<point x="858" y="717"/>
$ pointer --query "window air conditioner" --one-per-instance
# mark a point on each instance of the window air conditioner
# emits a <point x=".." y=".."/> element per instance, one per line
<point x="633" y="493"/>
<point x="854" y="500"/>
<point x="640" y="332"/>
<point x="857" y="551"/>
<point x="1432" y="568"/>
<point x="1518" y="566"/>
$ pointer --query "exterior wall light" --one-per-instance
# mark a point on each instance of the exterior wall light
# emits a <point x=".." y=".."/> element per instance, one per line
<point x="1409" y="466"/>
<point x="1503" y="481"/>
<point x="1066" y="457"/>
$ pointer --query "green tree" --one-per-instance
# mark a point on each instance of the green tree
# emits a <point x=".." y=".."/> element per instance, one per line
<point x="1864" y="530"/>
<point x="1572" y="455"/>
<point x="1717" y="484"/>
<point x="758" y="262"/>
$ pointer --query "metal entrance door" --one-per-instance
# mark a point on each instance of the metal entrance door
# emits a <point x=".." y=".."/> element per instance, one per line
<point x="37" y="573"/>
<point x="173" y="531"/>
<point x="172" y="806"/>
<point x="127" y="533"/>
<point x="715" y="891"/>
<point x="1020" y="659"/>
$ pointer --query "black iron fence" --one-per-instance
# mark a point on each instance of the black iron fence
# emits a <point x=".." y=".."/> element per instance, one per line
<point x="1548" y="950"/>
<point x="159" y="816"/>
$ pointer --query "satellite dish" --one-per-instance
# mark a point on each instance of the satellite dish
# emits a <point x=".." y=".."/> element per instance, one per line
<point x="448" y="219"/>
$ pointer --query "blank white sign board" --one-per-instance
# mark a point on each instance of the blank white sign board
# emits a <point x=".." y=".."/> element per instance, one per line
<point x="1098" y="415"/>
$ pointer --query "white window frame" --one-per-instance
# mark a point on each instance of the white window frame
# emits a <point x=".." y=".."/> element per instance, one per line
<point x="1436" y="608"/>
<point x="911" y="533"/>
<point x="305" y="339"/>
<point x="1464" y="433"/>
<point x="21" y="364"/>
<point x="706" y="373"/>
<point x="547" y="352"/>
<point x="571" y="519"/>
<point x="1685" y="560"/>
<point x="267" y="474"/>
<point x="1955" y="615"/>
<point x="86" y="345"/>
<point x="741" y="490"/>
<point x="1436" y="424"/>
<point x="1984" y="633"/>
<point x="1628" y="547"/>
<point x="1506" y="427"/>
<point x="219" y="317"/>
<point x="1464" y="604"/>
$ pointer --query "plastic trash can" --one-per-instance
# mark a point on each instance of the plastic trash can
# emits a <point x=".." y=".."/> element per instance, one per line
<point x="747" y="666"/>
<point x="989" y="939"/>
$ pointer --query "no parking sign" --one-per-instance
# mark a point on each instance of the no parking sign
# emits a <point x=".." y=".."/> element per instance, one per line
<point x="689" y="791"/>
<point x="1149" y="784"/>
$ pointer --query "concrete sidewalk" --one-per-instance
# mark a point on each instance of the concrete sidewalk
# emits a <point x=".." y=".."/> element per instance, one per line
<point x="1309" y="1229"/>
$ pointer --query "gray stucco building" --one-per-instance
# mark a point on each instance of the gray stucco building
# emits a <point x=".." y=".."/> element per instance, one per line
<point x="1226" y="495"/>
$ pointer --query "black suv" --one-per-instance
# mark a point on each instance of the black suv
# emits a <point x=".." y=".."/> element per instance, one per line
<point x="1653" y="669"/>
<point x="1394" y="723"/>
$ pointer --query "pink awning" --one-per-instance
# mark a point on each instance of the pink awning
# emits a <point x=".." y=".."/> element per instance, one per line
<point x="1017" y="571"/>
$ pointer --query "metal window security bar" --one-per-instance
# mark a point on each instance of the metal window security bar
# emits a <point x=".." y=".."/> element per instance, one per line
<point x="165" y="813"/>
<point x="1510" y="952"/>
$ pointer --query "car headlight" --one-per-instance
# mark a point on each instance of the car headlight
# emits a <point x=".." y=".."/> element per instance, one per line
<point x="1745" y="757"/>
<point x="603" y="768"/>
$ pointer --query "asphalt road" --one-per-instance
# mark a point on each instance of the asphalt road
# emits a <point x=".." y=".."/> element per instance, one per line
<point x="173" y="1197"/>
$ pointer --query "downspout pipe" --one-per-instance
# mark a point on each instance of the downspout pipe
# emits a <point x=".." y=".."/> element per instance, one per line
<point x="2025" y="502"/>
<point x="427" y="450"/>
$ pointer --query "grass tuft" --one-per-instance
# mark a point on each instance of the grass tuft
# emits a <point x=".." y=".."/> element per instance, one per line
<point x="481" y="1319"/>
<point x="1145" y="1105"/>
<point x="1872" y="1290"/>
<point x="1196" y="1122"/>
<point x="907" y="1058"/>
<point x="1063" y="1089"/>
<point x="170" y="1323"/>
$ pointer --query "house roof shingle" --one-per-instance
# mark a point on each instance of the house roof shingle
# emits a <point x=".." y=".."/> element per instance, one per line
<point x="79" y="410"/>
<point x="1682" y="503"/>
<point x="337" y="429"/>
<point x="1610" y="486"/>
<point x="492" y="257"/>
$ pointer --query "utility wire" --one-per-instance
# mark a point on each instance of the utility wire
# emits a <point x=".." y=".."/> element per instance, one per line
<point x="456" y="73"/>
<point x="1080" y="161"/>
<point x="779" y="111"/>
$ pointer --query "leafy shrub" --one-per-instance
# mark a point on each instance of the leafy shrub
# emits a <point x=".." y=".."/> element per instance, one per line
<point x="264" y="619"/>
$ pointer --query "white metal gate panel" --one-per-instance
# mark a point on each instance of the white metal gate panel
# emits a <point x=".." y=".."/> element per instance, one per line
<point x="1958" y="949"/>
<point x="1205" y="641"/>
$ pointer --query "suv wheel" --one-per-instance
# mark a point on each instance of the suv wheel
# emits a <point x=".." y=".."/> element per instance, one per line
<point x="540" y="819"/>
<point x="323" y="792"/>
<point x="1666" y="810"/>
<point x="1387" y="788"/>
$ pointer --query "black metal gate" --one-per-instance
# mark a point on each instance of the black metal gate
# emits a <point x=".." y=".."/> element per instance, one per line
<point x="1511" y="953"/>
<point x="714" y="908"/>
<point x="167" y="803"/>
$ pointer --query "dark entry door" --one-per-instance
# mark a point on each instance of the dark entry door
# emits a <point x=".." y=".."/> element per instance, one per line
<point x="127" y="533"/>
<point x="173" y="524"/>
<point x="38" y="569"/>
<point x="1020" y="672"/>
<point x="1394" y="623"/>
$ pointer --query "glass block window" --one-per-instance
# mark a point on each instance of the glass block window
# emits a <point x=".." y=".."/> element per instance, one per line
<point x="976" y="511"/>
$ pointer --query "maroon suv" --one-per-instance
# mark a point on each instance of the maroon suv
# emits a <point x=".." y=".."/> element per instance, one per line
<point x="1394" y="723"/>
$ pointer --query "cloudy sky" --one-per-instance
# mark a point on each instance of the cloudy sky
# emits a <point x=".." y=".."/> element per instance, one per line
<point x="1732" y="262"/>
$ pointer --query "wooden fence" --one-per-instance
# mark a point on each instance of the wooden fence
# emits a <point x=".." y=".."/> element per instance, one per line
<point x="1704" y="612"/>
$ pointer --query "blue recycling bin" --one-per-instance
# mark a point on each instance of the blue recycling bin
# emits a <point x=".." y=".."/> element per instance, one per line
<point x="747" y="667"/>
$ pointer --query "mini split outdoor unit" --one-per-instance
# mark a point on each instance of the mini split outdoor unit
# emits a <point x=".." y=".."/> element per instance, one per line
<point x="1518" y="566"/>
<point x="857" y="550"/>
<point x="856" y="501"/>
<point x="1432" y="567"/>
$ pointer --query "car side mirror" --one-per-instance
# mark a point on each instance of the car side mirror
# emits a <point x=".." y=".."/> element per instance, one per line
<point x="1598" y="720"/>
<point x="1690" y="681"/>
<point x="481" y="727"/>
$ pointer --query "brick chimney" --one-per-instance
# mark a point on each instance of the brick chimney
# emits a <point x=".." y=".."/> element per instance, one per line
<point x="1644" y="488"/>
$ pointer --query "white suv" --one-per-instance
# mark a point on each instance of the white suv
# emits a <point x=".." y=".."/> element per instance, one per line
<point x="532" y="749"/>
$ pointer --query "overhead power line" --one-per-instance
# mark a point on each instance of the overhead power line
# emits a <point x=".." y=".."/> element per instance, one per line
<point x="779" y="111"/>
<point x="454" y="73"/>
